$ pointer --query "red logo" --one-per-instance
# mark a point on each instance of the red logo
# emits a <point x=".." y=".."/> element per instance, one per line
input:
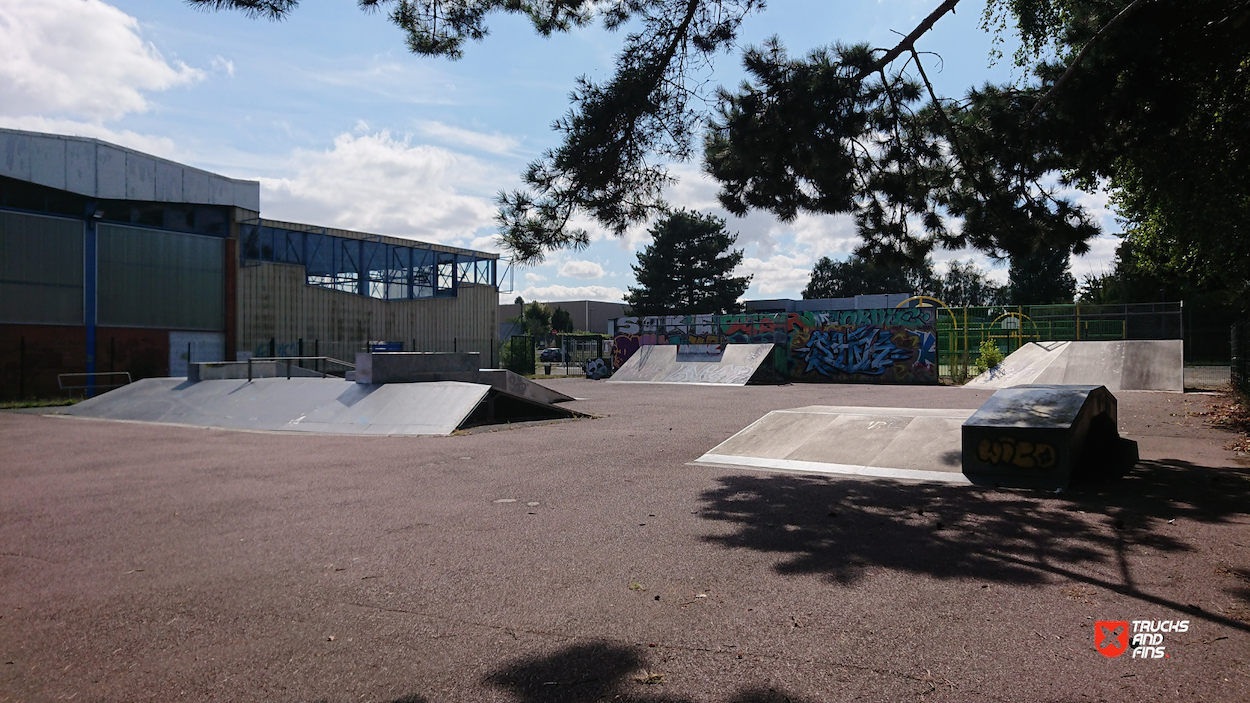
<point x="1111" y="637"/>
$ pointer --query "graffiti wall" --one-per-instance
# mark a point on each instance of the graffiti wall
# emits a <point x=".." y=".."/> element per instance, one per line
<point x="891" y="345"/>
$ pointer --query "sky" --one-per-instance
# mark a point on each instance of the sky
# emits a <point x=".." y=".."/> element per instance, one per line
<point x="344" y="128"/>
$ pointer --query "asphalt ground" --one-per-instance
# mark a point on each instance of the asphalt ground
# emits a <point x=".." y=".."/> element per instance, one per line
<point x="586" y="560"/>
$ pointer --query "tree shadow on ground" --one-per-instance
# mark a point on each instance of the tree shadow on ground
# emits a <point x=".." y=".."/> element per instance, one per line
<point x="598" y="671"/>
<point x="839" y="527"/>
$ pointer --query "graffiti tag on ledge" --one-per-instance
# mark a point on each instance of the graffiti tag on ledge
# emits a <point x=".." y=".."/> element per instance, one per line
<point x="1008" y="452"/>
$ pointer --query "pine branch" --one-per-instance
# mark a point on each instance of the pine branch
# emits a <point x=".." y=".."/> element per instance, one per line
<point x="910" y="40"/>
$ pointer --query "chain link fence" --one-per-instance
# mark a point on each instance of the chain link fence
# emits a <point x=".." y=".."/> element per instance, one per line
<point x="1239" y="371"/>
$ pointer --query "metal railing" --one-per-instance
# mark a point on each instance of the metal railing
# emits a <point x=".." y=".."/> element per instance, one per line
<point x="91" y="383"/>
<point x="347" y="366"/>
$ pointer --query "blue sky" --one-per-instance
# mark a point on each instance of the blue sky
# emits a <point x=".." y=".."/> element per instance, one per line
<point x="343" y="127"/>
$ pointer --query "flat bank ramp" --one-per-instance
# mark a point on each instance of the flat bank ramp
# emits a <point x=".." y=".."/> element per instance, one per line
<point x="296" y="405"/>
<point x="735" y="365"/>
<point x="1127" y="365"/>
<point x="897" y="443"/>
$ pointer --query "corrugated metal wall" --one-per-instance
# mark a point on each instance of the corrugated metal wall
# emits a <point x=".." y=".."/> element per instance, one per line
<point x="162" y="279"/>
<point x="275" y="303"/>
<point x="41" y="269"/>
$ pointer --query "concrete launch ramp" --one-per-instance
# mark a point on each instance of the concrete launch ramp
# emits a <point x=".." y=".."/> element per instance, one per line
<point x="1129" y="365"/>
<point x="708" y="365"/>
<point x="900" y="443"/>
<point x="316" y="405"/>
<point x="1023" y="437"/>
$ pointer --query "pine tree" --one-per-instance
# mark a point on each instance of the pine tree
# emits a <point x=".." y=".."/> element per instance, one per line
<point x="687" y="268"/>
<point x="561" y="320"/>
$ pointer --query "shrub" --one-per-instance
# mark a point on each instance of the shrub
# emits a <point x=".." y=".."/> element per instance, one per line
<point x="990" y="357"/>
<point x="517" y="355"/>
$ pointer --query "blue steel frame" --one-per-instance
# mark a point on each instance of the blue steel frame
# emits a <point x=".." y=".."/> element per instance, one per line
<point x="367" y="267"/>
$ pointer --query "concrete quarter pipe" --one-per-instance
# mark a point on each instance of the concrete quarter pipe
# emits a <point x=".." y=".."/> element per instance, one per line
<point x="1128" y="365"/>
<point x="730" y="365"/>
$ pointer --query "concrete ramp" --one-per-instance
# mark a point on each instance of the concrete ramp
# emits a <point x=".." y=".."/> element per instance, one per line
<point x="1022" y="437"/>
<point x="898" y="443"/>
<point x="706" y="365"/>
<point x="1128" y="365"/>
<point x="316" y="405"/>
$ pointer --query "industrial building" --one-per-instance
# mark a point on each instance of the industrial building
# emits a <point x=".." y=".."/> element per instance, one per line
<point x="587" y="315"/>
<point x="112" y="260"/>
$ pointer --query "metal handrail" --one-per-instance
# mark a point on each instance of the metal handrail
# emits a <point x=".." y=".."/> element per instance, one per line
<point x="289" y="359"/>
<point x="60" y="380"/>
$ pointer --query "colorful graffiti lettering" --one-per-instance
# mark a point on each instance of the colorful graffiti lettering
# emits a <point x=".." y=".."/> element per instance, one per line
<point x="869" y="350"/>
<point x="895" y="345"/>
<point x="1009" y="452"/>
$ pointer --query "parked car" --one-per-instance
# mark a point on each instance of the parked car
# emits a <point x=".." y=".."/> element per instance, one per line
<point x="553" y="354"/>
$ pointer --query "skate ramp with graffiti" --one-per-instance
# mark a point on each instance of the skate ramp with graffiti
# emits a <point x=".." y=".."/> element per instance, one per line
<point x="1127" y="365"/>
<point x="894" y="345"/>
<point x="709" y="365"/>
<point x="321" y="405"/>
<point x="898" y="443"/>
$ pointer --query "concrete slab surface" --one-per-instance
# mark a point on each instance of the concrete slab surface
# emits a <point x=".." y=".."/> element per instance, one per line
<point x="293" y="405"/>
<point x="664" y="363"/>
<point x="1131" y="365"/>
<point x="588" y="561"/>
<point x="918" y="444"/>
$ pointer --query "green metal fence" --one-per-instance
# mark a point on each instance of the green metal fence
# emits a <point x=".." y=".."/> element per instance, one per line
<point x="1009" y="327"/>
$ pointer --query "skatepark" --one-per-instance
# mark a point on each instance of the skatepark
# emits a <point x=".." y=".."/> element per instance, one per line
<point x="606" y="557"/>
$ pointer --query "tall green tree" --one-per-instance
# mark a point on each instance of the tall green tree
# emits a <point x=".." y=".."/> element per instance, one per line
<point x="1041" y="278"/>
<point x="858" y="276"/>
<point x="561" y="320"/>
<point x="537" y="319"/>
<point x="687" y="269"/>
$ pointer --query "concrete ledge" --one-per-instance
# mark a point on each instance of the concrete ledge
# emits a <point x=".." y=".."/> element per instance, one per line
<point x="411" y="367"/>
<point x="1045" y="436"/>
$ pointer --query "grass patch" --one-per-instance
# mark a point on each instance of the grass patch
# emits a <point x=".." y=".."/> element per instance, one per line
<point x="37" y="403"/>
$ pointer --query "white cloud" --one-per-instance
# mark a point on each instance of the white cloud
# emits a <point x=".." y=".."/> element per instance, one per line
<point x="531" y="277"/>
<point x="491" y="143"/>
<point x="379" y="184"/>
<point x="489" y="242"/>
<point x="222" y="64"/>
<point x="778" y="276"/>
<point x="581" y="269"/>
<point x="80" y="59"/>
<point x="557" y="292"/>
<point x="1099" y="260"/>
